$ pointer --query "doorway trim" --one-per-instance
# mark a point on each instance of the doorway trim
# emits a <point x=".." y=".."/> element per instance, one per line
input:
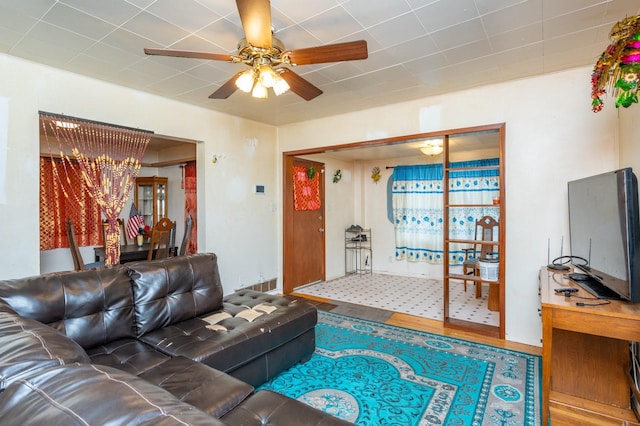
<point x="288" y="204"/>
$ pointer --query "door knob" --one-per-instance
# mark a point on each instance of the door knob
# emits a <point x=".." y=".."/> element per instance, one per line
<point x="320" y="229"/>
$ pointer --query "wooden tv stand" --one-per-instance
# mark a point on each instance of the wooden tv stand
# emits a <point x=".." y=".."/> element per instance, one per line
<point x="585" y="355"/>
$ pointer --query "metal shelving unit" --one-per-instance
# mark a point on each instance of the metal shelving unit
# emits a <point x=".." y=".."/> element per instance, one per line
<point x="357" y="251"/>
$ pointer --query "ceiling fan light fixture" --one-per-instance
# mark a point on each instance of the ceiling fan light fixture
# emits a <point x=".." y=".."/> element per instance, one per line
<point x="245" y="81"/>
<point x="281" y="86"/>
<point x="267" y="76"/>
<point x="259" y="91"/>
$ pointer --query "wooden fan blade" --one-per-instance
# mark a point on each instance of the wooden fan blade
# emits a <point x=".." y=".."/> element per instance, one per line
<point x="330" y="53"/>
<point x="300" y="86"/>
<point x="256" y="21"/>
<point x="227" y="89"/>
<point x="188" y="54"/>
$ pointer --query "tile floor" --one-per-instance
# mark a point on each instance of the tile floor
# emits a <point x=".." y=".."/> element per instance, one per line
<point x="410" y="295"/>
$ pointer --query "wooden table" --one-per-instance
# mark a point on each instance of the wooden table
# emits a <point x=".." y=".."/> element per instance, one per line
<point x="128" y="253"/>
<point x="585" y="352"/>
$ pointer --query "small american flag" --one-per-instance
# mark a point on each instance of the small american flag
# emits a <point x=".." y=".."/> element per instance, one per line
<point x="134" y="223"/>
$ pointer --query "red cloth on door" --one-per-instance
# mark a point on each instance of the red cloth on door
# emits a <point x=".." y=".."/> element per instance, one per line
<point x="306" y="192"/>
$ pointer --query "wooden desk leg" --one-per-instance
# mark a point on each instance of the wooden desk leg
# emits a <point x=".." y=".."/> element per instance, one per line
<point x="547" y="339"/>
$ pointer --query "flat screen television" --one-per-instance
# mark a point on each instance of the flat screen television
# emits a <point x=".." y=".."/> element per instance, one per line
<point x="604" y="228"/>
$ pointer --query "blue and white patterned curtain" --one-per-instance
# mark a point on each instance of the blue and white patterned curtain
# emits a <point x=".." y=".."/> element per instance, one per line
<point x="418" y="210"/>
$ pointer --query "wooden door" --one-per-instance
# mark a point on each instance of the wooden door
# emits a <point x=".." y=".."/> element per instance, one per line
<point x="303" y="240"/>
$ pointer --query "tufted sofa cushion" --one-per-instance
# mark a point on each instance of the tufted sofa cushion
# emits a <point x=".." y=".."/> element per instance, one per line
<point x="28" y="346"/>
<point x="130" y="355"/>
<point x="271" y="342"/>
<point x="91" y="307"/>
<point x="172" y="290"/>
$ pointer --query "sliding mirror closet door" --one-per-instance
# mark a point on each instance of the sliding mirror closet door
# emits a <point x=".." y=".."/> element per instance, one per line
<point x="474" y="235"/>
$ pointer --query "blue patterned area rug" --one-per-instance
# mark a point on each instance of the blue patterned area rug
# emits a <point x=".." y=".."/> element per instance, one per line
<point x="375" y="374"/>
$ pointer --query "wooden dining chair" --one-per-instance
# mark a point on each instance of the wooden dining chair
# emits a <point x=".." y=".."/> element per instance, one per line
<point x="78" y="262"/>
<point x="485" y="230"/>
<point x="188" y="224"/>
<point x="162" y="234"/>
<point x="123" y="232"/>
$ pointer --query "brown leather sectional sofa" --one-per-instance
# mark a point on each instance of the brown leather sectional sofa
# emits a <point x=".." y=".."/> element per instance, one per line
<point x="149" y="343"/>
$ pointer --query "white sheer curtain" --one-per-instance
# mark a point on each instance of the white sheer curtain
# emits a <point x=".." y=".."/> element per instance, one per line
<point x="417" y="197"/>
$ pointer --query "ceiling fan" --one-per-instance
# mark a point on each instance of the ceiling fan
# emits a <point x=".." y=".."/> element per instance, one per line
<point x="267" y="57"/>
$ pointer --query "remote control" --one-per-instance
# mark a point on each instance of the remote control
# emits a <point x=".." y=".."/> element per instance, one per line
<point x="566" y="290"/>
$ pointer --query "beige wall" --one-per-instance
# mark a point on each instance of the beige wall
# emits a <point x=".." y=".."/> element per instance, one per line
<point x="551" y="137"/>
<point x="233" y="222"/>
<point x="630" y="137"/>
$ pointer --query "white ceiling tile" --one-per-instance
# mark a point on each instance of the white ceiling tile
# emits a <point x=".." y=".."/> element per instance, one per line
<point x="209" y="73"/>
<point x="126" y="40"/>
<point x="331" y="25"/>
<point x="369" y="13"/>
<point x="223" y="33"/>
<point x="412" y="49"/>
<point x="443" y="14"/>
<point x="520" y="37"/>
<point x="105" y="52"/>
<point x="222" y="8"/>
<point x="141" y="3"/>
<point x="8" y="39"/>
<point x="299" y="12"/>
<point x="279" y="20"/>
<point x="510" y="18"/>
<point x="387" y="33"/>
<point x="53" y="35"/>
<point x="191" y="15"/>
<point x="558" y="8"/>
<point x="99" y="67"/>
<point x="339" y="71"/>
<point x="78" y="22"/>
<point x="32" y="8"/>
<point x="296" y="37"/>
<point x="426" y="64"/>
<point x="572" y="22"/>
<point x="490" y="6"/>
<point x="105" y="10"/>
<point x="457" y="35"/>
<point x="50" y="53"/>
<point x="179" y="83"/>
<point x="153" y="28"/>
<point x="15" y="20"/>
<point x="197" y="43"/>
<point x="620" y="9"/>
<point x="155" y="70"/>
<point x="476" y="49"/>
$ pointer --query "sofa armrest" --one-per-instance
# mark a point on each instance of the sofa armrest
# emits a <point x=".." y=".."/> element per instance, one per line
<point x="94" y="395"/>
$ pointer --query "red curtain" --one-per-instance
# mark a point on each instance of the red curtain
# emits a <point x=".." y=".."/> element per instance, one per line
<point x="191" y="204"/>
<point x="56" y="207"/>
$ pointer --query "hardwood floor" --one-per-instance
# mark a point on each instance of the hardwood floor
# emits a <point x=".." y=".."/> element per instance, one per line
<point x="412" y="322"/>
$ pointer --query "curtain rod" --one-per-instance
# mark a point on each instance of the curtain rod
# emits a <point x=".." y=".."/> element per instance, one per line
<point x="94" y="122"/>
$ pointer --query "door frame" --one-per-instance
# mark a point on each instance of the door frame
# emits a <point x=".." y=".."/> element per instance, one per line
<point x="288" y="234"/>
<point x="287" y="209"/>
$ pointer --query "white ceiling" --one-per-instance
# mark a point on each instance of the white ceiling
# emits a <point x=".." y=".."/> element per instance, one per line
<point x="417" y="48"/>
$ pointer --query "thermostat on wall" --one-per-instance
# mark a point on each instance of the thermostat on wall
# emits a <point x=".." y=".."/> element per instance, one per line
<point x="260" y="189"/>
